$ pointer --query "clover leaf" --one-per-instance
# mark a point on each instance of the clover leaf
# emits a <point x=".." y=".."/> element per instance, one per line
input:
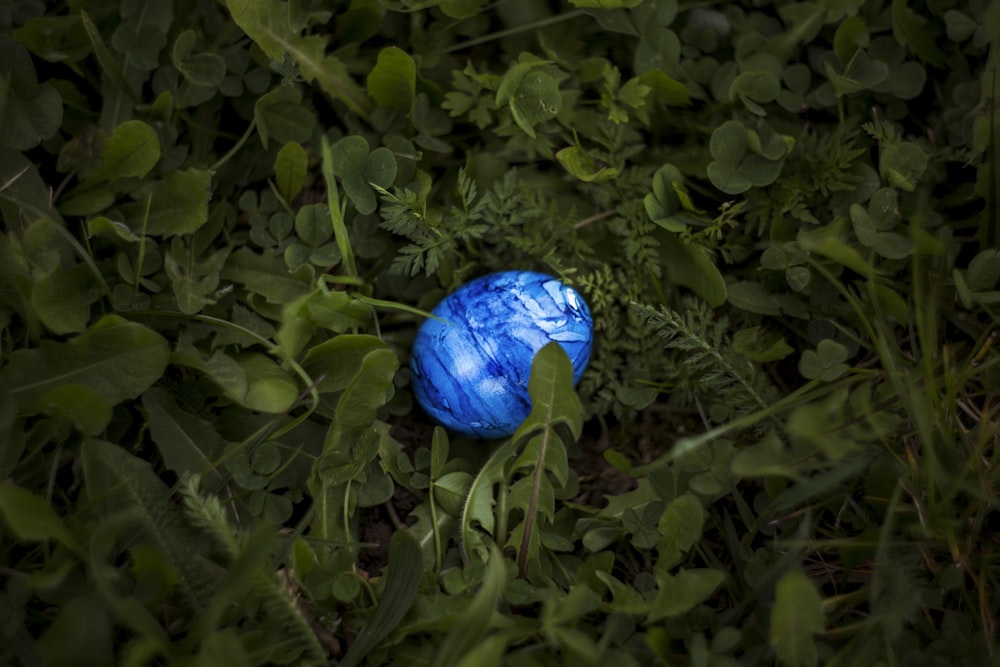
<point x="357" y="169"/>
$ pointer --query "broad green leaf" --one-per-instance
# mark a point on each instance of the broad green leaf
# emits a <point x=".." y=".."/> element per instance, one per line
<point x="266" y="23"/>
<point x="797" y="616"/>
<point x="290" y="170"/>
<point x="82" y="628"/>
<point x="581" y="165"/>
<point x="29" y="112"/>
<point x="335" y="362"/>
<point x="202" y="69"/>
<point x="666" y="90"/>
<point x="984" y="270"/>
<point x="281" y="116"/>
<point x="176" y="205"/>
<point x="450" y="490"/>
<point x="681" y="593"/>
<point x="265" y="275"/>
<point x="691" y="265"/>
<point x="402" y="576"/>
<point x="767" y="457"/>
<point x="392" y="82"/>
<point x="116" y="359"/>
<point x="910" y="30"/>
<point x="367" y="391"/>
<point x="825" y="363"/>
<point x="535" y="100"/>
<point x="31" y="518"/>
<point x="312" y="225"/>
<point x="269" y="388"/>
<point x="133" y="149"/>
<point x="470" y="629"/>
<point x="861" y="73"/>
<point x="357" y="169"/>
<point x="89" y="413"/>
<point x="187" y="443"/>
<point x="62" y="299"/>
<point x="680" y="529"/>
<point x="220" y="368"/>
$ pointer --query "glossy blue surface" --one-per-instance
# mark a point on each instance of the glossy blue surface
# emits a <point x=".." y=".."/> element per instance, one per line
<point x="471" y="374"/>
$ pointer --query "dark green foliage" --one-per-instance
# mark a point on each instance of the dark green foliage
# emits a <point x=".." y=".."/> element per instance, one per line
<point x="223" y="222"/>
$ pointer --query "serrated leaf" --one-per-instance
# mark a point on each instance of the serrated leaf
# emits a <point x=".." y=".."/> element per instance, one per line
<point x="797" y="616"/>
<point x="116" y="359"/>
<point x="266" y="22"/>
<point x="187" y="443"/>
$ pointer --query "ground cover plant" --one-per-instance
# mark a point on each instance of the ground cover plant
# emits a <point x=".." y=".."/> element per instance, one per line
<point x="224" y="221"/>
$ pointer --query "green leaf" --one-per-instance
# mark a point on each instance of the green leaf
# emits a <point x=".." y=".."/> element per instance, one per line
<point x="403" y="576"/>
<point x="266" y="23"/>
<point x="606" y="4"/>
<point x="366" y="392"/>
<point x="903" y="164"/>
<point x="392" y="82"/>
<point x="736" y="168"/>
<point x="62" y="299"/>
<point x="281" y="116"/>
<point x="825" y="363"/>
<point x="133" y="149"/>
<point x="357" y="169"/>
<point x="202" y="69"/>
<point x="116" y="359"/>
<point x="335" y="363"/>
<point x="681" y="593"/>
<point x="269" y="388"/>
<point x="89" y="413"/>
<point x="176" y="205"/>
<point x="472" y="626"/>
<point x="861" y="73"/>
<point x="186" y="443"/>
<point x="535" y="100"/>
<point x="31" y="518"/>
<point x="680" y="528"/>
<point x="29" y="112"/>
<point x="797" y="616"/>
<point x="290" y="170"/>
<point x="691" y="265"/>
<point x="581" y="165"/>
<point x="194" y="281"/>
<point x="265" y="275"/>
<point x="910" y="30"/>
<point x="767" y="457"/>
<point x="984" y="270"/>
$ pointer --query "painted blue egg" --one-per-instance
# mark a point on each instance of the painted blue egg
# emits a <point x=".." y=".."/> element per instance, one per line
<point x="470" y="371"/>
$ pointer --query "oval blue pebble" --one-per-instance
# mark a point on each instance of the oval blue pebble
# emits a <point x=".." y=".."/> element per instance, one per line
<point x="471" y="371"/>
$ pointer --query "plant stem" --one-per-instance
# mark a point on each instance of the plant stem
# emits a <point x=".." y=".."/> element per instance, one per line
<point x="543" y="23"/>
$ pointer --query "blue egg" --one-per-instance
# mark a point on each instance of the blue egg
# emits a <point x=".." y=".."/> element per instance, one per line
<point x="470" y="372"/>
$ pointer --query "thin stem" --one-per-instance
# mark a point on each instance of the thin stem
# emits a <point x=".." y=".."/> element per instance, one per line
<point x="544" y="23"/>
<point x="236" y="147"/>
